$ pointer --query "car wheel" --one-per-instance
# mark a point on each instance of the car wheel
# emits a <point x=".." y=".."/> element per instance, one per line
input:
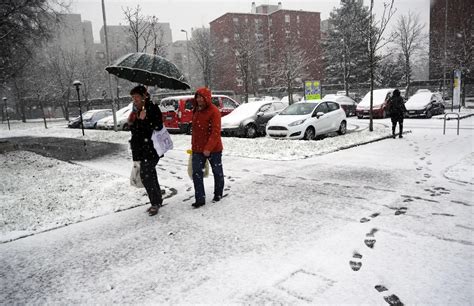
<point x="359" y="117"/>
<point x="342" y="128"/>
<point x="428" y="114"/>
<point x="309" y="134"/>
<point x="384" y="114"/>
<point x="95" y="125"/>
<point x="189" y="130"/>
<point x="250" y="131"/>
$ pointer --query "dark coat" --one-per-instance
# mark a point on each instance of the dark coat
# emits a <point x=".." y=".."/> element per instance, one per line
<point x="397" y="107"/>
<point x="141" y="143"/>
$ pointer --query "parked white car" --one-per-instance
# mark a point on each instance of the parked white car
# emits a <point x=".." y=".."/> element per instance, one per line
<point x="347" y="103"/>
<point x="89" y="118"/>
<point x="122" y="119"/>
<point x="308" y="119"/>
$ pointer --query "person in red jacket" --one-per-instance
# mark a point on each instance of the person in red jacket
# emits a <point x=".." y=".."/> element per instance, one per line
<point x="206" y="145"/>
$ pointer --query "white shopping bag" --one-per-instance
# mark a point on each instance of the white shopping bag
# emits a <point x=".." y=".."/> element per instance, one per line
<point x="135" y="179"/>
<point x="162" y="141"/>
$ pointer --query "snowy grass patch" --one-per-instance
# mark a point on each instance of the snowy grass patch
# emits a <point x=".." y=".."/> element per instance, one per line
<point x="40" y="193"/>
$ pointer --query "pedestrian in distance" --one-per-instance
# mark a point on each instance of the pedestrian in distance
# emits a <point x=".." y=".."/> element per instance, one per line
<point x="143" y="120"/>
<point x="397" y="112"/>
<point x="206" y="145"/>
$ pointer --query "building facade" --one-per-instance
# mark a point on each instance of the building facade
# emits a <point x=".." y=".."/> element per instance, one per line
<point x="262" y="35"/>
<point x="451" y="38"/>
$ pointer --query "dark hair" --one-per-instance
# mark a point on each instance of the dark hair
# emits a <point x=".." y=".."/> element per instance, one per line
<point x="396" y="93"/>
<point x="140" y="89"/>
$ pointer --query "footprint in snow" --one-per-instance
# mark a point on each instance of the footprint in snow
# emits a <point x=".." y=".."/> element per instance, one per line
<point x="370" y="240"/>
<point x="364" y="219"/>
<point x="390" y="299"/>
<point x="355" y="265"/>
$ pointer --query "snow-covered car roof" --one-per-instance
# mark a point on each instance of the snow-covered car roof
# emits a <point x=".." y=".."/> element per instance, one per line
<point x="379" y="97"/>
<point x="420" y="99"/>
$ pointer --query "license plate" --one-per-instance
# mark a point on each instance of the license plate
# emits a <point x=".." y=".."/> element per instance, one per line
<point x="411" y="112"/>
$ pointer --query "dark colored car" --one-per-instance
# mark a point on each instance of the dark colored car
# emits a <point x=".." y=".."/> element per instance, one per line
<point x="425" y="104"/>
<point x="178" y="111"/>
<point x="250" y="119"/>
<point x="347" y="103"/>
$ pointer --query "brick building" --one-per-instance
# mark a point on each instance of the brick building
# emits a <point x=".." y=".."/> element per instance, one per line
<point x="266" y="31"/>
<point x="456" y="24"/>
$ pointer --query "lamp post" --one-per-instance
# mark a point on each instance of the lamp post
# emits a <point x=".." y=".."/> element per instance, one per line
<point x="78" y="84"/>
<point x="187" y="51"/>
<point x="6" y="111"/>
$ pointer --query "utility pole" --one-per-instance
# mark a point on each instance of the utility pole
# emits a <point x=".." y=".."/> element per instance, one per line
<point x="187" y="51"/>
<point x="108" y="63"/>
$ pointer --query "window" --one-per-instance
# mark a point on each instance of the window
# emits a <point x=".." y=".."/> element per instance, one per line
<point x="228" y="103"/>
<point x="189" y="104"/>
<point x="297" y="19"/>
<point x="265" y="108"/>
<point x="321" y="108"/>
<point x="332" y="106"/>
<point x="240" y="83"/>
<point x="269" y="22"/>
<point x="215" y="101"/>
<point x="236" y="20"/>
<point x="287" y="18"/>
<point x="236" y="36"/>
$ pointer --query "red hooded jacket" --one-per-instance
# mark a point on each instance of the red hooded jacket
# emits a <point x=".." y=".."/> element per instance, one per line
<point x="206" y="135"/>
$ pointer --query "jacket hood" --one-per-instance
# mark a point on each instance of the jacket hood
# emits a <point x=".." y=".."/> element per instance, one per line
<point x="205" y="93"/>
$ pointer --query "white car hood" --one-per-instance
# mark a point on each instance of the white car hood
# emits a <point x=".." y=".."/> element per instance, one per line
<point x="285" y="120"/>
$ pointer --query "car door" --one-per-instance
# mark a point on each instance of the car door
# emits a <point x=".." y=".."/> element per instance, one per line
<point x="437" y="104"/>
<point x="335" y="116"/>
<point x="264" y="114"/>
<point x="321" y="123"/>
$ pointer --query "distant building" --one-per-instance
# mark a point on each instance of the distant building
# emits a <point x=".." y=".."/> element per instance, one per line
<point x="121" y="41"/>
<point x="272" y="27"/>
<point x="73" y="34"/>
<point x="455" y="23"/>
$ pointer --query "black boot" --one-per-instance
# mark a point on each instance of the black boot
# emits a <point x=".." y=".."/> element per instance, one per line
<point x="393" y="132"/>
<point x="401" y="131"/>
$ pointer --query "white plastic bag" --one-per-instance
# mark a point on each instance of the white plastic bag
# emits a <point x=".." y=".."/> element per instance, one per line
<point x="162" y="141"/>
<point x="190" y="165"/>
<point x="135" y="179"/>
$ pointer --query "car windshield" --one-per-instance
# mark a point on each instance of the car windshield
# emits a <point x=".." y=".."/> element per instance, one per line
<point x="247" y="108"/>
<point x="419" y="99"/>
<point x="88" y="115"/>
<point x="379" y="98"/>
<point x="299" y="109"/>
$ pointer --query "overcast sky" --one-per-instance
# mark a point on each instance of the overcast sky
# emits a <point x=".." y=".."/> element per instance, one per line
<point x="187" y="14"/>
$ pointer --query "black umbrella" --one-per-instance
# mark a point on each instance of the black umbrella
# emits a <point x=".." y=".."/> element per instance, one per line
<point x="148" y="69"/>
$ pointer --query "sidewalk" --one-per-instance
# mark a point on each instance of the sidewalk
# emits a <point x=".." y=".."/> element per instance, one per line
<point x="289" y="232"/>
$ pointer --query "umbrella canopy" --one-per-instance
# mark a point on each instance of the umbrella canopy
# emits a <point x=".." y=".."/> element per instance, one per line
<point x="148" y="69"/>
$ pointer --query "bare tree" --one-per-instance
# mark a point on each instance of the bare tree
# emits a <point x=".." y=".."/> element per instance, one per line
<point x="138" y="27"/>
<point x="374" y="32"/>
<point x="292" y="68"/>
<point x="248" y="55"/>
<point x="409" y="38"/>
<point x="201" y="47"/>
<point x="157" y="37"/>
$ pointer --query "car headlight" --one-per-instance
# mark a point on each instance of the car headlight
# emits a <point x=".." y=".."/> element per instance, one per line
<point x="297" y="122"/>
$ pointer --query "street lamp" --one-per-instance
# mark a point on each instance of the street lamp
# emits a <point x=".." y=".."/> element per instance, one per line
<point x="78" y="84"/>
<point x="6" y="111"/>
<point x="187" y="51"/>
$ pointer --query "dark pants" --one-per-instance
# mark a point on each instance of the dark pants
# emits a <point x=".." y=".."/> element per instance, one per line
<point x="215" y="160"/>
<point x="396" y="119"/>
<point x="150" y="181"/>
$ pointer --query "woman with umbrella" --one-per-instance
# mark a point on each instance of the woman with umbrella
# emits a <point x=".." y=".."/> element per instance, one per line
<point x="143" y="120"/>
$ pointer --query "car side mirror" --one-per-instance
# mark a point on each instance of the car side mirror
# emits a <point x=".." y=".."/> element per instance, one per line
<point x="319" y="114"/>
<point x="259" y="114"/>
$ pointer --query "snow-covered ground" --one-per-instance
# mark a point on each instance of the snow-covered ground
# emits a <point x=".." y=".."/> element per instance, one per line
<point x="303" y="222"/>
